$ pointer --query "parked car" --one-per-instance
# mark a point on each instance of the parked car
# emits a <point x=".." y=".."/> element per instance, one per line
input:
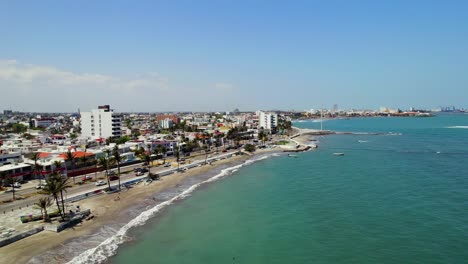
<point x="99" y="183"/>
<point x="41" y="185"/>
<point x="224" y="151"/>
<point x="111" y="172"/>
<point x="139" y="173"/>
<point x="167" y="165"/>
<point x="87" y="177"/>
<point x="16" y="185"/>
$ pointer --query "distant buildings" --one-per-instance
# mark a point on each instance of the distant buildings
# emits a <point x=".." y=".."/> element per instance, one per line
<point x="175" y="119"/>
<point x="268" y="120"/>
<point x="43" y="122"/>
<point x="166" y="123"/>
<point x="101" y="123"/>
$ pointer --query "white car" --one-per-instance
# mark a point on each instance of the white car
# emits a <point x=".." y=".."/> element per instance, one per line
<point x="16" y="185"/>
<point x="99" y="183"/>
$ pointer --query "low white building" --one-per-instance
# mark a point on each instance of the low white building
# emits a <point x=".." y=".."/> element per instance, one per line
<point x="43" y="122"/>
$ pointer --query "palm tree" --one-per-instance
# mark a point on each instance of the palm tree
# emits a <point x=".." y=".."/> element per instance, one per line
<point x="177" y="155"/>
<point x="102" y="162"/>
<point x="163" y="151"/>
<point x="43" y="203"/>
<point x="205" y="148"/>
<point x="118" y="159"/>
<point x="57" y="164"/>
<point x="95" y="164"/>
<point x="71" y="157"/>
<point x="3" y="178"/>
<point x="147" y="159"/>
<point x="35" y="158"/>
<point x="56" y="184"/>
<point x="156" y="153"/>
<point x="83" y="160"/>
<point x="10" y="180"/>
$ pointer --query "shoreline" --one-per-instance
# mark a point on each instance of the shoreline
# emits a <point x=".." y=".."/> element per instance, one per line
<point x="112" y="212"/>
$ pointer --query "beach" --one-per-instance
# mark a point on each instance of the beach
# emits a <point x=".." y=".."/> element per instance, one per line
<point x="110" y="211"/>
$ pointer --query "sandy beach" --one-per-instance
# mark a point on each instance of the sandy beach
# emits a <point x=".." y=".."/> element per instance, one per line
<point x="107" y="210"/>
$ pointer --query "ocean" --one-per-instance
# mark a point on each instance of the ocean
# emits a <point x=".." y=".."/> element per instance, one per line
<point x="401" y="197"/>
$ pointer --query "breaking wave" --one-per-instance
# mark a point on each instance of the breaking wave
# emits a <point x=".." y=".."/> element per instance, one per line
<point x="465" y="127"/>
<point x="109" y="247"/>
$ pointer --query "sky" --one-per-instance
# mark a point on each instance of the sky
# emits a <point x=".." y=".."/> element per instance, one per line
<point x="156" y="56"/>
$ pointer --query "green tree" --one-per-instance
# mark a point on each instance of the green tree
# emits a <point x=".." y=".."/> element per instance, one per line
<point x="55" y="186"/>
<point x="249" y="147"/>
<point x="103" y="163"/>
<point x="177" y="155"/>
<point x="43" y="203"/>
<point x="205" y="148"/>
<point x="118" y="159"/>
<point x="84" y="160"/>
<point x="35" y="157"/>
<point x="57" y="164"/>
<point x="10" y="180"/>
<point x="19" y="128"/>
<point x="70" y="156"/>
<point x="95" y="164"/>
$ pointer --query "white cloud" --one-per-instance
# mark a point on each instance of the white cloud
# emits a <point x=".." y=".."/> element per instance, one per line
<point x="28" y="87"/>
<point x="14" y="72"/>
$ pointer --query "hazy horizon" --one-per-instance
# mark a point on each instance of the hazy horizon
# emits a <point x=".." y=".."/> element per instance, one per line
<point x="218" y="56"/>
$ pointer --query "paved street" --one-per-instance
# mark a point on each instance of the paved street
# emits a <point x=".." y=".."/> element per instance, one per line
<point x="30" y="188"/>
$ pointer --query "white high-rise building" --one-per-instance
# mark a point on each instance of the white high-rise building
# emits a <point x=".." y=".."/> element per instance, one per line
<point x="166" y="123"/>
<point x="101" y="123"/>
<point x="268" y="120"/>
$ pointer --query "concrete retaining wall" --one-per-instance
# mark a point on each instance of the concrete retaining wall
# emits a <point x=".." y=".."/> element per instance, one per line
<point x="20" y="236"/>
<point x="75" y="220"/>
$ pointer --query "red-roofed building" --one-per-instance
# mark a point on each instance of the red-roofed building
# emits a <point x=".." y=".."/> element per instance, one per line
<point x="175" y="119"/>
<point x="43" y="155"/>
<point x="77" y="154"/>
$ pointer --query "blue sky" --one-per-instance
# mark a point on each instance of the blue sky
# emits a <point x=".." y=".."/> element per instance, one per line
<point x="221" y="55"/>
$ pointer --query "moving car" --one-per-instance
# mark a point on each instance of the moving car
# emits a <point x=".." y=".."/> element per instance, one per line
<point x="99" y="183"/>
<point x="113" y="178"/>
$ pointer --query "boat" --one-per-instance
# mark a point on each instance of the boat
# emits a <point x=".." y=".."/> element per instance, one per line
<point x="292" y="156"/>
<point x="362" y="141"/>
<point x="338" y="154"/>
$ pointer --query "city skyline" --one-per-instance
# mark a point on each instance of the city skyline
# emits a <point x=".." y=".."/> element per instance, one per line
<point x="205" y="56"/>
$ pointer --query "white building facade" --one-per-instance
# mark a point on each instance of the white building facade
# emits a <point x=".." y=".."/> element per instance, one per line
<point x="268" y="120"/>
<point x="101" y="123"/>
<point x="166" y="123"/>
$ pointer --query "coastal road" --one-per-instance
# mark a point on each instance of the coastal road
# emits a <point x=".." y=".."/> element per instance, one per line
<point x="90" y="186"/>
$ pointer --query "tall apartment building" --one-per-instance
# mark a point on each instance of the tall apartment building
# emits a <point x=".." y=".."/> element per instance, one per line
<point x="101" y="123"/>
<point x="166" y="123"/>
<point x="268" y="120"/>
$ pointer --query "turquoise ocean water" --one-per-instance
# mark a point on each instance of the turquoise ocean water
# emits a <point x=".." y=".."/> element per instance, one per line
<point x="400" y="198"/>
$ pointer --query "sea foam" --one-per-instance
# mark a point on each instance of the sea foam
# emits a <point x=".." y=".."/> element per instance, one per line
<point x="109" y="247"/>
<point x="464" y="127"/>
